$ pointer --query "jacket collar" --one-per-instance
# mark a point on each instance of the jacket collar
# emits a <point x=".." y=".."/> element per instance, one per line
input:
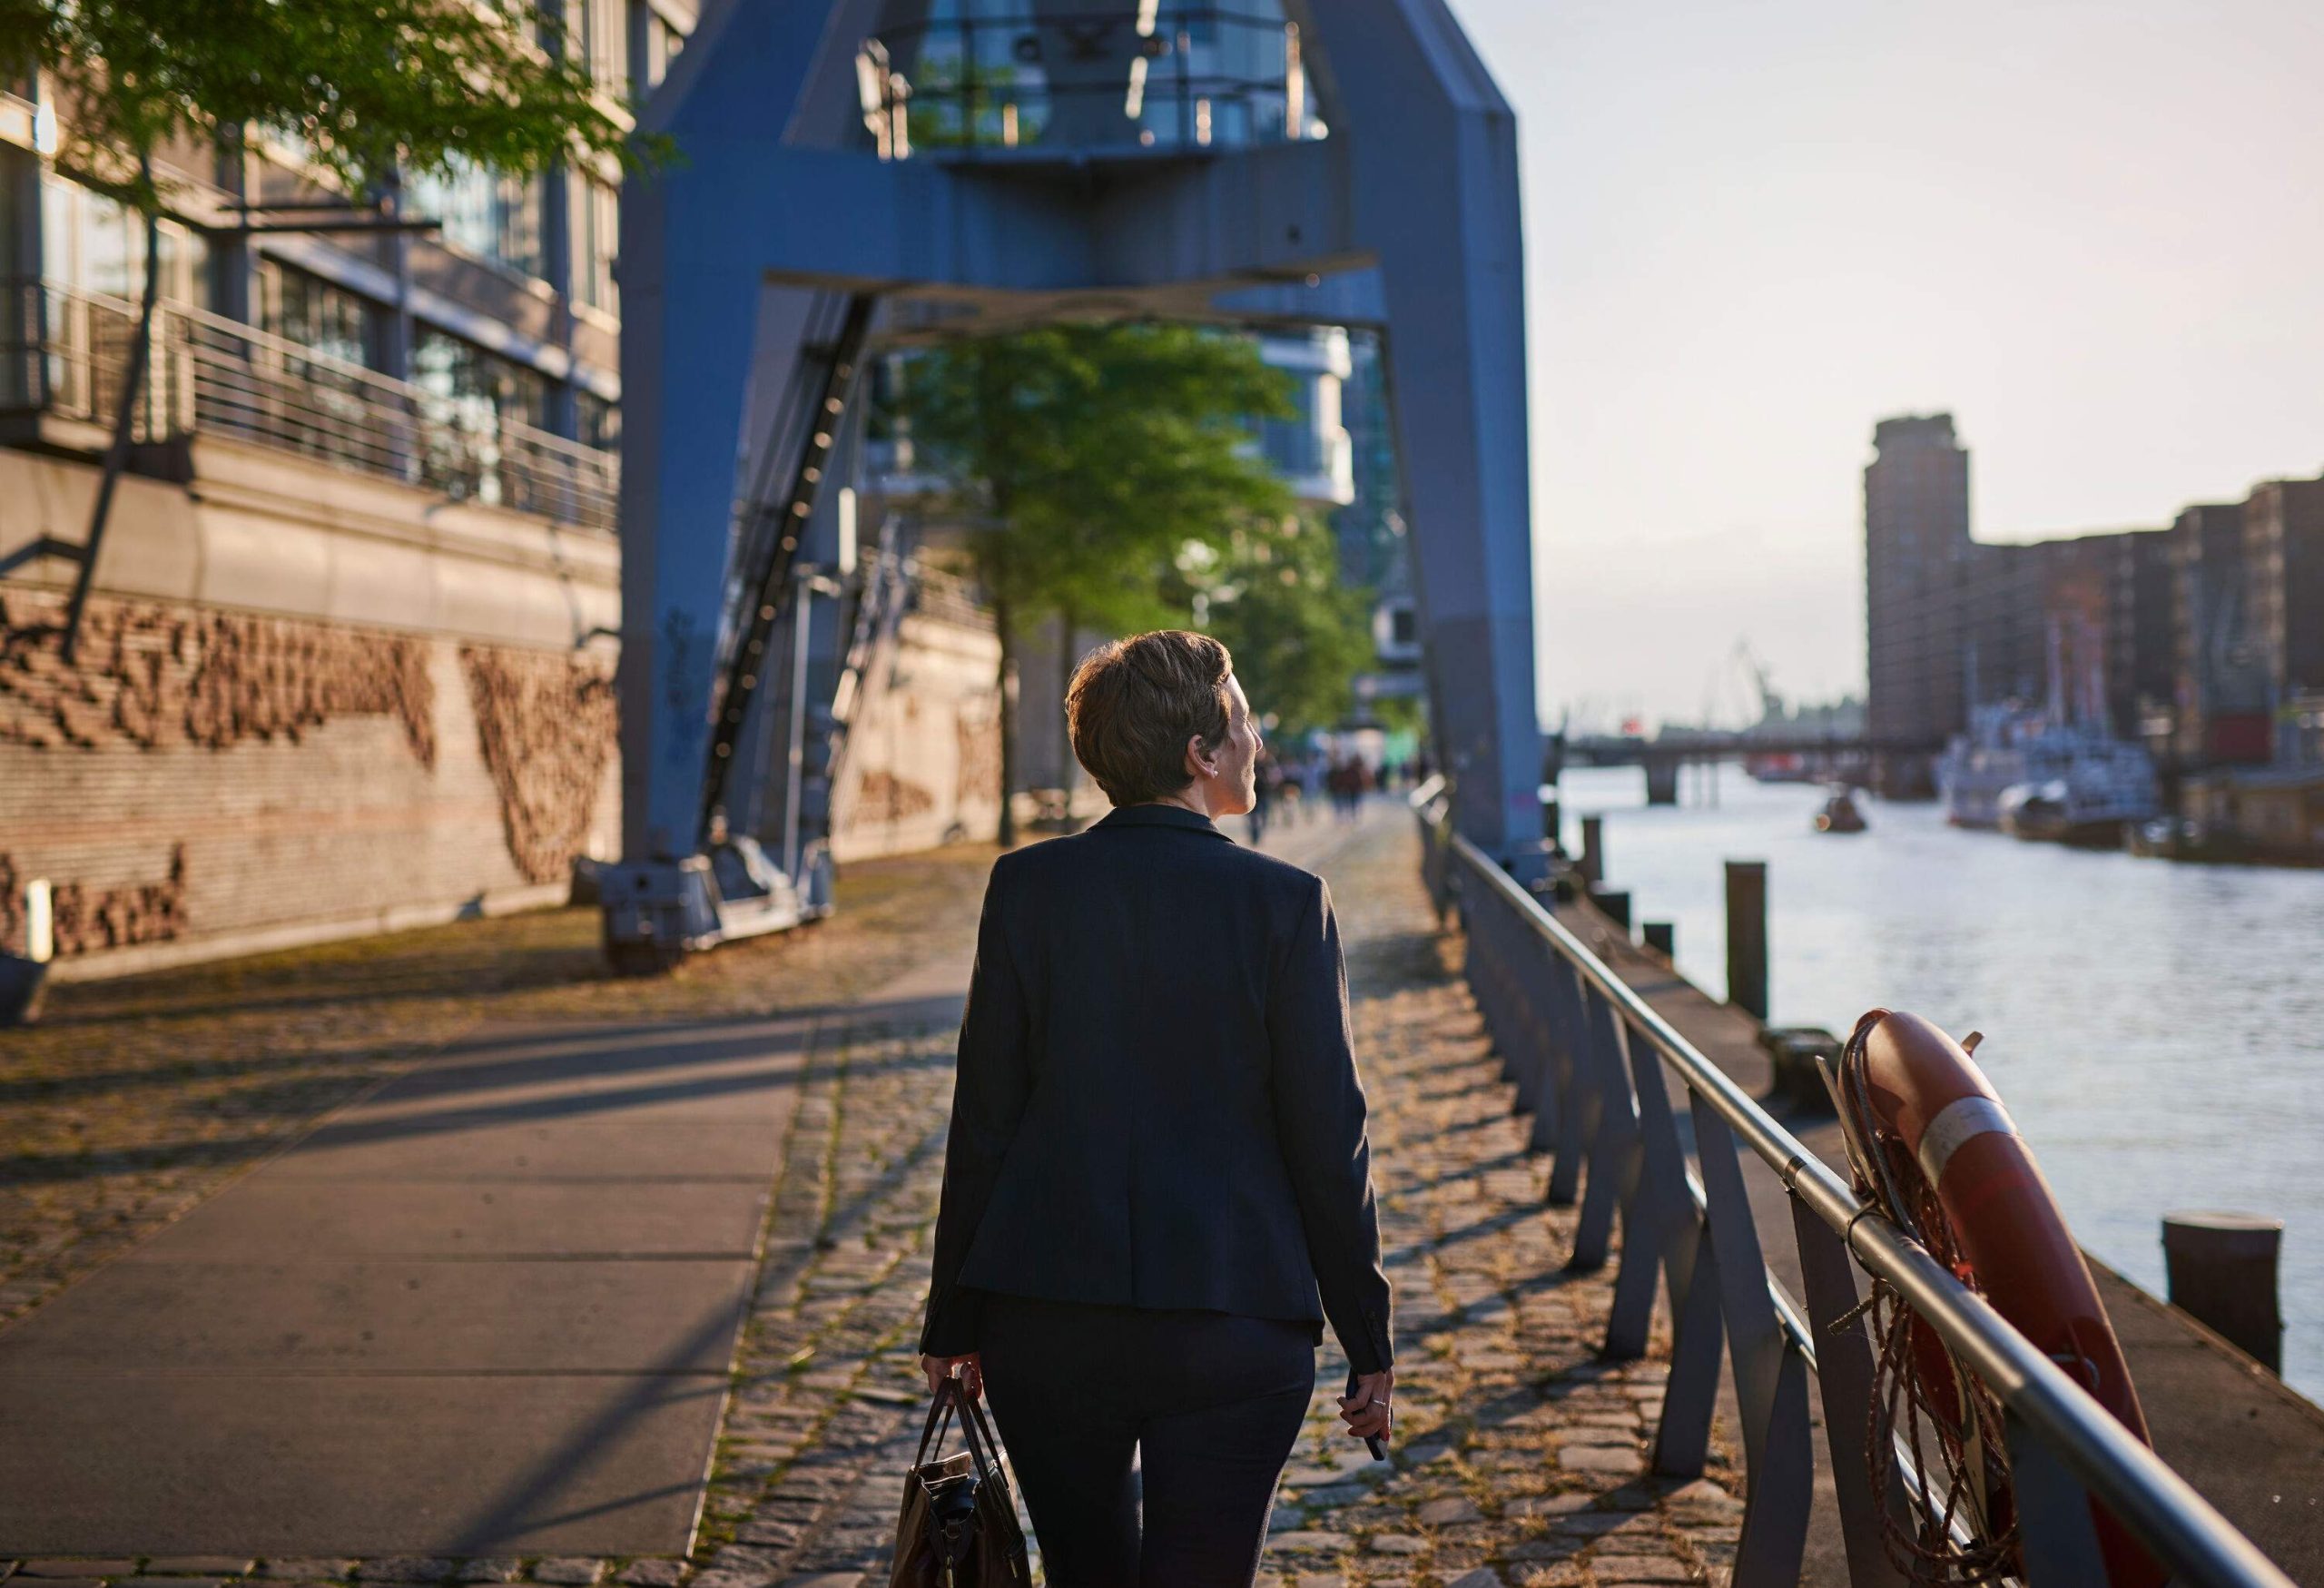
<point x="1124" y="816"/>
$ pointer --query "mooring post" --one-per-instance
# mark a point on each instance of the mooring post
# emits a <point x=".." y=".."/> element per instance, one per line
<point x="2222" y="1271"/>
<point x="1662" y="781"/>
<point x="1553" y="823"/>
<point x="1747" y="935"/>
<point x="1593" y="850"/>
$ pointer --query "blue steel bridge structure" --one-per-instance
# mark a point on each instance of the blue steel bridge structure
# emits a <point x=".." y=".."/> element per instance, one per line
<point x="856" y="175"/>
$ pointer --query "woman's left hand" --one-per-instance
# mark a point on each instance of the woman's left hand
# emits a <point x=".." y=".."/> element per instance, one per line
<point x="970" y="1369"/>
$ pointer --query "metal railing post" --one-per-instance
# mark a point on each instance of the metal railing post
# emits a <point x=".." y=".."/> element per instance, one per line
<point x="1537" y="1092"/>
<point x="1529" y="1063"/>
<point x="1612" y="1139"/>
<point x="1770" y="1388"/>
<point x="1652" y="1195"/>
<point x="1844" y="1379"/>
<point x="1690" y="1276"/>
<point x="1572" y="1123"/>
<point x="1479" y="969"/>
<point x="2057" y="1536"/>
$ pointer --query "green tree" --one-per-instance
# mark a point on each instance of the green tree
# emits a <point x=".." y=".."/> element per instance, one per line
<point x="368" y="87"/>
<point x="1298" y="634"/>
<point x="1083" y="457"/>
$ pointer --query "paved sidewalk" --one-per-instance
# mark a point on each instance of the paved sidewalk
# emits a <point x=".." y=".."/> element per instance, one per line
<point x="1519" y="1456"/>
<point x="132" y="1102"/>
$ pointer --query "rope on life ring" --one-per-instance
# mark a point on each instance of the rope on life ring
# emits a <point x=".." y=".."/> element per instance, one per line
<point x="1933" y="1151"/>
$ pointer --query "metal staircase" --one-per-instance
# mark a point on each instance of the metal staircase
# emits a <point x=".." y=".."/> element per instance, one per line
<point x="733" y="888"/>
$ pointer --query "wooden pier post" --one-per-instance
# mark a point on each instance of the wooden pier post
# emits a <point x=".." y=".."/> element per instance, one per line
<point x="1747" y="935"/>
<point x="1593" y="850"/>
<point x="2222" y="1271"/>
<point x="1662" y="782"/>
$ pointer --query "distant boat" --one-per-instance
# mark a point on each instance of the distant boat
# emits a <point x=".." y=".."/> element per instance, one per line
<point x="2006" y="746"/>
<point x="2099" y="784"/>
<point x="2178" y="838"/>
<point x="1840" y="814"/>
<point x="1783" y="766"/>
<point x="2107" y="790"/>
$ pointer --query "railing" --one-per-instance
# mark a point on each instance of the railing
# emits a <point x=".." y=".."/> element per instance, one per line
<point x="1167" y="76"/>
<point x="1593" y="1065"/>
<point x="64" y="352"/>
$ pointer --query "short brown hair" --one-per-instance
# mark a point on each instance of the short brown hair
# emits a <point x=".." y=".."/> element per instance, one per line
<point x="1134" y="703"/>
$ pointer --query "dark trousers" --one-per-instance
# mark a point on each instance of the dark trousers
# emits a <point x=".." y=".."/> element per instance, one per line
<point x="1209" y="1404"/>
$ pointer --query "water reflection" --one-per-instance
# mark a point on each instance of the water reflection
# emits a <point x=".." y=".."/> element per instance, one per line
<point x="2158" y="1029"/>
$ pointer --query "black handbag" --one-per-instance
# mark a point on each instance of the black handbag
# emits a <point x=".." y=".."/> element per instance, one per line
<point x="957" y="1527"/>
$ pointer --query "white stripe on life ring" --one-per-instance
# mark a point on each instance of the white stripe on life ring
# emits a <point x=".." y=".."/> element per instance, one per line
<point x="1955" y="1123"/>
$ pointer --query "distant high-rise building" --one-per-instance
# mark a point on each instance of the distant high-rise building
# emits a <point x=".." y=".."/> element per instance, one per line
<point x="2141" y="621"/>
<point x="2283" y="559"/>
<point x="2219" y="693"/>
<point x="2205" y="640"/>
<point x="1917" y="549"/>
<point x="1374" y="554"/>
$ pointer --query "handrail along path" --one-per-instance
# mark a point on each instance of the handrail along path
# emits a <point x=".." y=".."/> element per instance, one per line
<point x="1588" y="1057"/>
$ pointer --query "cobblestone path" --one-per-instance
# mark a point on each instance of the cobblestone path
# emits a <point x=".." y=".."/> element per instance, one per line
<point x="1518" y="1455"/>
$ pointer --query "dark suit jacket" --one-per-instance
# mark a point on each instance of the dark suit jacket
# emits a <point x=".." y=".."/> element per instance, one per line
<point x="1157" y="1103"/>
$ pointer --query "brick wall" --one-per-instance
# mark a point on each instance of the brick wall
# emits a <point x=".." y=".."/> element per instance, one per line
<point x="208" y="781"/>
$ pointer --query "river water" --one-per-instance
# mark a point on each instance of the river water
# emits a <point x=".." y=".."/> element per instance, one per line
<point x="2157" y="1030"/>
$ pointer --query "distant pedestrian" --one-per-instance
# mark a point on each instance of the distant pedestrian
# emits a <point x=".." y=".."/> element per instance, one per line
<point x="1158" y="1183"/>
<point x="1265" y="778"/>
<point x="1312" y="774"/>
<point x="1347" y="780"/>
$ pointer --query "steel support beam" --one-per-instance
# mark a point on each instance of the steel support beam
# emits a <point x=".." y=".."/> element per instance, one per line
<point x="1406" y="216"/>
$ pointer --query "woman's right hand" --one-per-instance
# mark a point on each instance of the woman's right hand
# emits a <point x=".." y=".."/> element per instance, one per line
<point x="970" y="1369"/>
<point x="1368" y="1413"/>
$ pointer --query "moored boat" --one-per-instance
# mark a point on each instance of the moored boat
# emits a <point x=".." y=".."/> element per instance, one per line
<point x="2108" y="789"/>
<point x="1840" y="814"/>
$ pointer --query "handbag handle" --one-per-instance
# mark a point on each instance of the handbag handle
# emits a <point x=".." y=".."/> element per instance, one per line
<point x="991" y="1444"/>
<point x="951" y="1396"/>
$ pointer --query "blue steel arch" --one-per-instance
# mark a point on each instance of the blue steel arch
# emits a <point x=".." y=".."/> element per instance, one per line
<point x="1404" y="216"/>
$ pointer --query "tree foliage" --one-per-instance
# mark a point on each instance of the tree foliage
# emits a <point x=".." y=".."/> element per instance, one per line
<point x="1085" y="458"/>
<point x="1299" y="635"/>
<point x="1087" y="455"/>
<point x="367" y="86"/>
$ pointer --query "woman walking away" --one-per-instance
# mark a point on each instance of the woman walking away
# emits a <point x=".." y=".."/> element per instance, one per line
<point x="1157" y="1185"/>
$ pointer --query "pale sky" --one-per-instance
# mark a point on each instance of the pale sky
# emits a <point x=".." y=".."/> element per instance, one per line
<point x="2093" y="231"/>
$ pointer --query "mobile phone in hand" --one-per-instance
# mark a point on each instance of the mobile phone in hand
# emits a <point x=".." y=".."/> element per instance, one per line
<point x="1379" y="1450"/>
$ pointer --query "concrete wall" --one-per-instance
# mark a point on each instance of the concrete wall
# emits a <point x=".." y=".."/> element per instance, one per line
<point x="923" y="759"/>
<point x="307" y="704"/>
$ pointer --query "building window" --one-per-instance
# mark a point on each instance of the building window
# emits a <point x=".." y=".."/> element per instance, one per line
<point x="596" y="211"/>
<point x="597" y="32"/>
<point x="483" y="389"/>
<point x="92" y="244"/>
<point x="654" y="44"/>
<point x="598" y="421"/>
<point x="305" y="309"/>
<point x="494" y="217"/>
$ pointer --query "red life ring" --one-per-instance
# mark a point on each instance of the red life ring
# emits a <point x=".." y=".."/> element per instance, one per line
<point x="1939" y="1123"/>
